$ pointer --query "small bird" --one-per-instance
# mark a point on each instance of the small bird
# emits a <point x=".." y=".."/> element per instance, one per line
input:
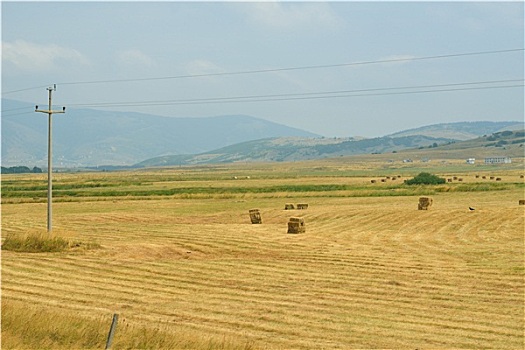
<point x="471" y="208"/>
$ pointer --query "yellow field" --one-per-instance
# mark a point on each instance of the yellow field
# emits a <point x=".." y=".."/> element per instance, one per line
<point x="370" y="272"/>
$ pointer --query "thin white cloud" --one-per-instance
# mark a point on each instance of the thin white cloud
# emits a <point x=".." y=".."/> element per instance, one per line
<point x="134" y="57"/>
<point x="199" y="67"/>
<point x="291" y="15"/>
<point x="34" y="57"/>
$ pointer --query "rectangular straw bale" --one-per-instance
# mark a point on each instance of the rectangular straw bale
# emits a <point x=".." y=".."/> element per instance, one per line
<point x="255" y="216"/>
<point x="296" y="225"/>
<point x="425" y="203"/>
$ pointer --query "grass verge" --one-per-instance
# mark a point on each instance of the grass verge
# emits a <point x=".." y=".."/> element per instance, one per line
<point x="37" y="242"/>
<point x="29" y="327"/>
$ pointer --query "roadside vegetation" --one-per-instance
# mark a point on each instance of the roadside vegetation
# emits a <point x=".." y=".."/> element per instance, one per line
<point x="40" y="242"/>
<point x="27" y="327"/>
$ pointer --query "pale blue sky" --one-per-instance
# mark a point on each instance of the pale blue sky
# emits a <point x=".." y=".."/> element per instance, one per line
<point x="69" y="43"/>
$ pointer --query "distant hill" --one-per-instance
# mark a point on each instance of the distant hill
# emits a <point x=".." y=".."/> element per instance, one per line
<point x="295" y="149"/>
<point x="461" y="130"/>
<point x="504" y="143"/>
<point x="86" y="137"/>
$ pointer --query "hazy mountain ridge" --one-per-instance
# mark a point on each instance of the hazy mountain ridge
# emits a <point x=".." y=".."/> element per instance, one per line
<point x="461" y="130"/>
<point x="296" y="149"/>
<point x="86" y="137"/>
<point x="503" y="143"/>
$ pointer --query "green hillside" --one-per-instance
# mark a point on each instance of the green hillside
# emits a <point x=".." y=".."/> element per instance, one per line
<point x="506" y="143"/>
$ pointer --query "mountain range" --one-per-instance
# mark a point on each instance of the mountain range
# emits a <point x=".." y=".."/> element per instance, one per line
<point x="88" y="138"/>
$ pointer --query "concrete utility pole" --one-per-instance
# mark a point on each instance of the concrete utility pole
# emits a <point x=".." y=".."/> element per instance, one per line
<point x="50" y="112"/>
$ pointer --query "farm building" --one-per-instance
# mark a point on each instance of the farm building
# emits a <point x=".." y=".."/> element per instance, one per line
<point x="498" y="160"/>
<point x="471" y="160"/>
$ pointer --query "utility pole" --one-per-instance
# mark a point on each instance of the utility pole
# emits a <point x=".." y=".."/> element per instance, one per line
<point x="50" y="112"/>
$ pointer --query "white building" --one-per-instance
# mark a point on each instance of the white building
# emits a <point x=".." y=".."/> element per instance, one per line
<point x="471" y="160"/>
<point x="498" y="160"/>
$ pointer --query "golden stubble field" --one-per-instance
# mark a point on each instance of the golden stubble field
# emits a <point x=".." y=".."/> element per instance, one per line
<point x="370" y="272"/>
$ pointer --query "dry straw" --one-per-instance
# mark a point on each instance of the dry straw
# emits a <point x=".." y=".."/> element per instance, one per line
<point x="255" y="216"/>
<point x="296" y="225"/>
<point x="425" y="203"/>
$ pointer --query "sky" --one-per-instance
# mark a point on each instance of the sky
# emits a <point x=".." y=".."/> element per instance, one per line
<point x="338" y="69"/>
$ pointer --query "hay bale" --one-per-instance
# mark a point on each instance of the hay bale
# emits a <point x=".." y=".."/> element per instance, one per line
<point x="455" y="177"/>
<point x="483" y="177"/>
<point x="383" y="180"/>
<point x="492" y="177"/>
<point x="296" y="225"/>
<point x="373" y="181"/>
<point x="521" y="202"/>
<point x="477" y="176"/>
<point x="255" y="216"/>
<point x="498" y="179"/>
<point x="521" y="176"/>
<point x="449" y="180"/>
<point x="289" y="207"/>
<point x="424" y="203"/>
<point x="302" y="206"/>
<point x="460" y="179"/>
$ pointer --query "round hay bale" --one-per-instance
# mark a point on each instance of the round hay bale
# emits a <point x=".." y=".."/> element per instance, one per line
<point x="521" y="202"/>
<point x="449" y="180"/>
<point x="492" y="177"/>
<point x="373" y="181"/>
<point x="289" y="207"/>
<point x="483" y="177"/>
<point x="498" y="179"/>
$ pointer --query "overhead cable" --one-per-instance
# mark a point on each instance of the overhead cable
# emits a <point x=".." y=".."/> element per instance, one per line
<point x="392" y="60"/>
<point x="316" y="95"/>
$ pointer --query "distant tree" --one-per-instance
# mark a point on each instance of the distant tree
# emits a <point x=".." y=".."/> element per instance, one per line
<point x="20" y="170"/>
<point x="425" y="179"/>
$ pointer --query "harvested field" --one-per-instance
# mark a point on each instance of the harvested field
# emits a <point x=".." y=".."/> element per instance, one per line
<point x="370" y="271"/>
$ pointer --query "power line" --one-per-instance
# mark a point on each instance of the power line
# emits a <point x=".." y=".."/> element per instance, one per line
<point x="315" y="95"/>
<point x="14" y="109"/>
<point x="393" y="60"/>
<point x="297" y="68"/>
<point x="12" y="115"/>
<point x="417" y="89"/>
<point x="25" y="89"/>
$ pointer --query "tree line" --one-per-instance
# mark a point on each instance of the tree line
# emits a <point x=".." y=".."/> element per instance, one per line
<point x="20" y="170"/>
